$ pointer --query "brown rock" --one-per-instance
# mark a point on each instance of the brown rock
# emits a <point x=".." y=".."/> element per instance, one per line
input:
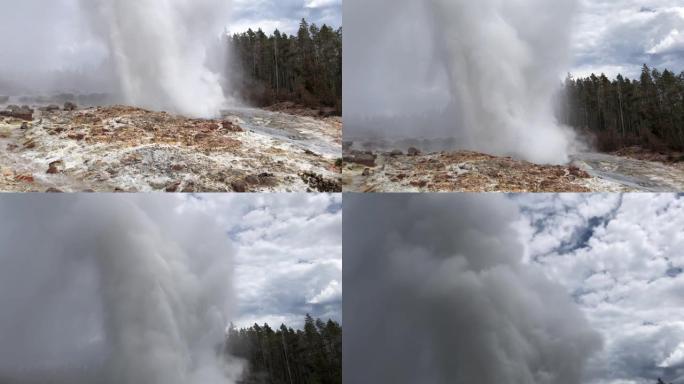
<point x="366" y="172"/>
<point x="173" y="187"/>
<point x="363" y="158"/>
<point x="54" y="190"/>
<point x="239" y="186"/>
<point x="76" y="136"/>
<point x="414" y="151"/>
<point x="22" y="113"/>
<point x="69" y="106"/>
<point x="579" y="173"/>
<point x="56" y="167"/>
<point x="26" y="178"/>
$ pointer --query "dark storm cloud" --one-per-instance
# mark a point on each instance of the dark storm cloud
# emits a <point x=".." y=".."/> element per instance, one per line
<point x="439" y="294"/>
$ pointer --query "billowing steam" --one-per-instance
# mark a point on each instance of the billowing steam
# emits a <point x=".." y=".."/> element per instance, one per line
<point x="112" y="289"/>
<point x="161" y="51"/>
<point x="481" y="74"/>
<point x="439" y="294"/>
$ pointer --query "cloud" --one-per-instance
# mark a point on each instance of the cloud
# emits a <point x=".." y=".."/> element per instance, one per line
<point x="438" y="292"/>
<point x="620" y="36"/>
<point x="289" y="254"/>
<point x="623" y="270"/>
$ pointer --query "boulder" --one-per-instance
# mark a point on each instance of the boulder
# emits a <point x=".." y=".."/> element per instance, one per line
<point x="69" y="106"/>
<point x="413" y="151"/>
<point x="55" y="167"/>
<point x="22" y="113"/>
<point x="363" y="158"/>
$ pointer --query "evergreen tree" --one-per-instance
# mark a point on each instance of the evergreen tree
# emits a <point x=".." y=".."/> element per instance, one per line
<point x="305" y="69"/>
<point x="648" y="112"/>
<point x="309" y="356"/>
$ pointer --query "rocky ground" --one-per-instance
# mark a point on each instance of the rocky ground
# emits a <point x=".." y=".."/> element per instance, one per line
<point x="120" y="148"/>
<point x="462" y="171"/>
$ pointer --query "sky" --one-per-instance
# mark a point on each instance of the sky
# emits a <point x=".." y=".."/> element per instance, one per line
<point x="64" y="41"/>
<point x="619" y="36"/>
<point x="284" y="14"/>
<point x="289" y="255"/>
<point x="620" y="257"/>
<point x="532" y="288"/>
<point x="93" y="285"/>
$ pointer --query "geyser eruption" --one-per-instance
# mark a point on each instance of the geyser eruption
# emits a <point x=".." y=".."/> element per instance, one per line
<point x="114" y="290"/>
<point x="504" y="59"/>
<point x="161" y="51"/>
<point x="462" y="74"/>
<point x="440" y="294"/>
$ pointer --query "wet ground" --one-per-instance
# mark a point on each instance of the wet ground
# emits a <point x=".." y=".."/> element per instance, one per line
<point x="465" y="171"/>
<point x="633" y="174"/>
<point x="119" y="148"/>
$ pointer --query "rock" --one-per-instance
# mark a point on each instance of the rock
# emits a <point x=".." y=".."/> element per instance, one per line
<point x="29" y="144"/>
<point x="263" y="179"/>
<point x="319" y="183"/>
<point x="54" y="190"/>
<point x="252" y="179"/>
<point x="230" y="127"/>
<point x="579" y="173"/>
<point x="363" y="158"/>
<point x="239" y="186"/>
<point x="396" y="153"/>
<point x="419" y="183"/>
<point x="70" y="106"/>
<point x="22" y="113"/>
<point x="76" y="136"/>
<point x="24" y="126"/>
<point x="413" y="151"/>
<point x="173" y="187"/>
<point x="56" y="167"/>
<point x="177" y="167"/>
<point x="189" y="188"/>
<point x="26" y="178"/>
<point x="366" y="172"/>
<point x="51" y="108"/>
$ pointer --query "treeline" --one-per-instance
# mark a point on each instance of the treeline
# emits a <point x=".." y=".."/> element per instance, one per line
<point x="648" y="111"/>
<point x="309" y="356"/>
<point x="305" y="69"/>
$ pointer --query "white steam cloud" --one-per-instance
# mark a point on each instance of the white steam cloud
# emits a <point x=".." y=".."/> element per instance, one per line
<point x="482" y="74"/>
<point x="439" y="294"/>
<point x="112" y="289"/>
<point x="161" y="51"/>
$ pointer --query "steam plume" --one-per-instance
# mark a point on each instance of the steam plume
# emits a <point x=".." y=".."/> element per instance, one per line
<point x="440" y="295"/>
<point x="160" y="51"/>
<point x="484" y="74"/>
<point x="111" y="289"/>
